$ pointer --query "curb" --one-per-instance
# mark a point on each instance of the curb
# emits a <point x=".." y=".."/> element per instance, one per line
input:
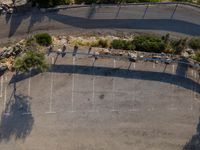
<point x="112" y="5"/>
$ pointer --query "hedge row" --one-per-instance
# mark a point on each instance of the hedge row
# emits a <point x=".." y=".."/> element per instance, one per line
<point x="157" y="44"/>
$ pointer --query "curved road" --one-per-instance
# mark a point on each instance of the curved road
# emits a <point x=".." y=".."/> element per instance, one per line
<point x="182" y="20"/>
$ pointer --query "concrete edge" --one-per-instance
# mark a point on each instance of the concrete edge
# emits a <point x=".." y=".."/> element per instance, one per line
<point x="112" y="5"/>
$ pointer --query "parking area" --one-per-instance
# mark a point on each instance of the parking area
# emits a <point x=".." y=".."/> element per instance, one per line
<point x="83" y="104"/>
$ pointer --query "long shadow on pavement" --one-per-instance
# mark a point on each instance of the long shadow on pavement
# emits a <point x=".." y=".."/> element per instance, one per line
<point x="117" y="72"/>
<point x="194" y="142"/>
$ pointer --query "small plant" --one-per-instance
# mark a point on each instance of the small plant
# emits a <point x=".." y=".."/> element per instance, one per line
<point x="103" y="43"/>
<point x="197" y="56"/>
<point x="194" y="43"/>
<point x="179" y="45"/>
<point x="43" y="39"/>
<point x="123" y="44"/>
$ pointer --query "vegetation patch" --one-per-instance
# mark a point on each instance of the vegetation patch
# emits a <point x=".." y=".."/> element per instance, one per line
<point x="43" y="39"/>
<point x="194" y="43"/>
<point x="30" y="60"/>
<point x="149" y="44"/>
<point x="123" y="44"/>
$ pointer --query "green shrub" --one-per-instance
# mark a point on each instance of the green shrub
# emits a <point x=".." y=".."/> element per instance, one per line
<point x="103" y="43"/>
<point x="30" y="60"/>
<point x="179" y="45"/>
<point x="149" y="44"/>
<point x="43" y="39"/>
<point x="194" y="43"/>
<point x="197" y="57"/>
<point x="123" y="44"/>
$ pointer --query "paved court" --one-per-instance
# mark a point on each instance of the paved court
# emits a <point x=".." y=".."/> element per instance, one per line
<point x="85" y="105"/>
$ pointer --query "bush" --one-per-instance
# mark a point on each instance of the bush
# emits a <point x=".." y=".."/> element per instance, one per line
<point x="179" y="45"/>
<point x="123" y="44"/>
<point x="30" y="60"/>
<point x="197" y="57"/>
<point x="103" y="43"/>
<point x="43" y="39"/>
<point x="149" y="44"/>
<point x="194" y="43"/>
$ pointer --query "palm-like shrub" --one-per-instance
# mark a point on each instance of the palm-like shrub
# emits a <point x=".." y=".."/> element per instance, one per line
<point x="30" y="60"/>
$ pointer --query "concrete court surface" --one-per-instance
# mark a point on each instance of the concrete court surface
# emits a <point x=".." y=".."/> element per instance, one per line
<point x="148" y="106"/>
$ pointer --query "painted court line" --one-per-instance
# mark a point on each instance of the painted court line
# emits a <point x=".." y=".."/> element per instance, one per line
<point x="113" y="91"/>
<point x="173" y="68"/>
<point x="73" y="82"/>
<point x="51" y="93"/>
<point x="93" y="89"/>
<point x="134" y="65"/>
<point x="5" y="97"/>
<point x="1" y="91"/>
<point x="154" y="66"/>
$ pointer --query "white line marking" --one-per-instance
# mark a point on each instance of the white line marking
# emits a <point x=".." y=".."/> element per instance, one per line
<point x="5" y="96"/>
<point x="1" y="91"/>
<point x="93" y="94"/>
<point x="51" y="94"/>
<point x="191" y="107"/>
<point x="28" y="98"/>
<point x="73" y="82"/>
<point x="150" y="109"/>
<point x="113" y="92"/>
<point x="134" y="110"/>
<point x="173" y="108"/>
<point x="154" y="66"/>
<point x="134" y="65"/>
<point x="195" y="75"/>
<point x="114" y="63"/>
<point x="173" y="68"/>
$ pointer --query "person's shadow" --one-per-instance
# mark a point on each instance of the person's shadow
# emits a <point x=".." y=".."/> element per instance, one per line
<point x="194" y="142"/>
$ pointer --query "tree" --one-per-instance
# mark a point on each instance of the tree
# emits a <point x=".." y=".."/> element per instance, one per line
<point x="30" y="60"/>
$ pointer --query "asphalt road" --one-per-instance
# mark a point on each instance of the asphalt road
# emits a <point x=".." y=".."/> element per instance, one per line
<point x="86" y="105"/>
<point x="182" y="20"/>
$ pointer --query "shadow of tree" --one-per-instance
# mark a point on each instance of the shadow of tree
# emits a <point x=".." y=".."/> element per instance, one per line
<point x="194" y="142"/>
<point x="164" y="77"/>
<point x="13" y="123"/>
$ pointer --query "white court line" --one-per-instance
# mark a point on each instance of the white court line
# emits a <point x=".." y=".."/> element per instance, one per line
<point x="113" y="92"/>
<point x="1" y="91"/>
<point x="150" y="109"/>
<point x="154" y="66"/>
<point x="173" y="68"/>
<point x="73" y="82"/>
<point x="51" y="94"/>
<point x="5" y="97"/>
<point x="93" y="89"/>
<point x="134" y="65"/>
<point x="28" y="98"/>
<point x="195" y="75"/>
